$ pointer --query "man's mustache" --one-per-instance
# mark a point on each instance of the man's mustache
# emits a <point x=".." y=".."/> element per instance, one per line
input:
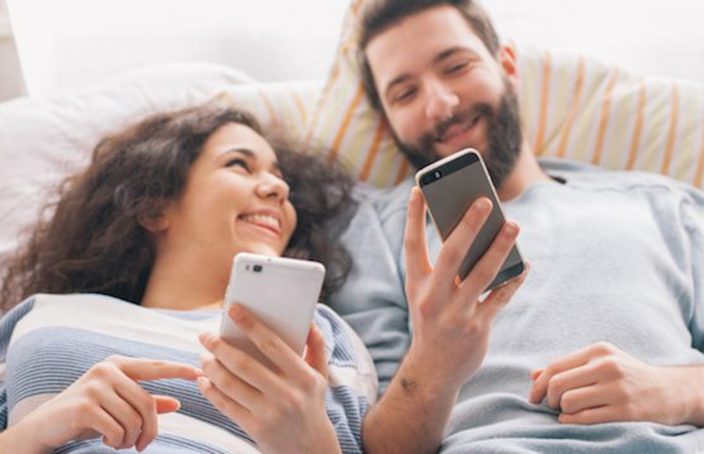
<point x="478" y="110"/>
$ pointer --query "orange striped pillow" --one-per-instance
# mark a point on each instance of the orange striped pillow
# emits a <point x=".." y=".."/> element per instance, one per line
<point x="571" y="107"/>
<point x="282" y="108"/>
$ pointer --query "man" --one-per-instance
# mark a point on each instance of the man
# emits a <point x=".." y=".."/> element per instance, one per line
<point x="601" y="344"/>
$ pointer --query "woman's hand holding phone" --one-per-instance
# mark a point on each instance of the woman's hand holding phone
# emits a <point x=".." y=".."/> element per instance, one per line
<point x="106" y="401"/>
<point x="282" y="408"/>
<point x="450" y="326"/>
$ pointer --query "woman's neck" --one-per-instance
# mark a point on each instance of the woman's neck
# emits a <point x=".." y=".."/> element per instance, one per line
<point x="182" y="283"/>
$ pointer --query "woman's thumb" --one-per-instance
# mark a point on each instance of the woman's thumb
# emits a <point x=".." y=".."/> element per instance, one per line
<point x="315" y="351"/>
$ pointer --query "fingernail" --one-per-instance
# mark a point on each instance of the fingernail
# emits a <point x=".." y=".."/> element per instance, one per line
<point x="237" y="313"/>
<point x="206" y="339"/>
<point x="511" y="228"/>
<point x="483" y="205"/>
<point x="203" y="382"/>
<point x="199" y="372"/>
<point x="205" y="357"/>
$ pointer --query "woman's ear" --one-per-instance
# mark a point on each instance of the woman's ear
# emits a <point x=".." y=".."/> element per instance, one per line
<point x="155" y="222"/>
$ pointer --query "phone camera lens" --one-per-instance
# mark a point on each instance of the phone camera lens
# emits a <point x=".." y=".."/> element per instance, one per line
<point x="257" y="268"/>
<point x="437" y="174"/>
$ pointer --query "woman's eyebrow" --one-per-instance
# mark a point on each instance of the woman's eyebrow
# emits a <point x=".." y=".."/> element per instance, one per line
<point x="245" y="151"/>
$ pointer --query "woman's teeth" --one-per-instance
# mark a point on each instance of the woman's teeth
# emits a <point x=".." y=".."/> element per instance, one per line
<point x="262" y="219"/>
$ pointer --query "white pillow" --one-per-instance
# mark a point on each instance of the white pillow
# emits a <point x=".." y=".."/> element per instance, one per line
<point x="43" y="140"/>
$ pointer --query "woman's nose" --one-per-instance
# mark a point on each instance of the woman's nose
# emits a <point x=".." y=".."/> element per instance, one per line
<point x="271" y="186"/>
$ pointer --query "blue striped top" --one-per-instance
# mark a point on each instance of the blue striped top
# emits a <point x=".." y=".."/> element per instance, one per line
<point x="49" y="341"/>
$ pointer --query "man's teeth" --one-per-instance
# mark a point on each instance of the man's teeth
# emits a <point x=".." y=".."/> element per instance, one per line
<point x="445" y="137"/>
<point x="262" y="219"/>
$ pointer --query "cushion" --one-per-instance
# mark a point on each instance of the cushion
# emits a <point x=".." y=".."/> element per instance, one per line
<point x="571" y="106"/>
<point x="44" y="140"/>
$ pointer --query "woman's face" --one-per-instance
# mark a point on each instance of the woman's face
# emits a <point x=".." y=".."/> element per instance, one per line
<point x="235" y="200"/>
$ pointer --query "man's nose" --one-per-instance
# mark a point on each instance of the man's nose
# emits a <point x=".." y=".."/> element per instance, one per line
<point x="440" y="102"/>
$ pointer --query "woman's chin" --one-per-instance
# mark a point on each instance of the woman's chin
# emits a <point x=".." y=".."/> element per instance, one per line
<point x="261" y="249"/>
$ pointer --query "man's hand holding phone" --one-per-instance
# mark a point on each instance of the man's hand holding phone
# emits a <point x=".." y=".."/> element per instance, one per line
<point x="450" y="325"/>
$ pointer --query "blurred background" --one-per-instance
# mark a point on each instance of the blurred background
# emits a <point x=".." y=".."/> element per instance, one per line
<point x="48" y="46"/>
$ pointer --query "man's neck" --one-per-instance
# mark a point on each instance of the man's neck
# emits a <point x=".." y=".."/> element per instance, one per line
<point x="526" y="172"/>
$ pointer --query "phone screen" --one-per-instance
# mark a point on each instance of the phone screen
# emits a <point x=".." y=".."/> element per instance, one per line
<point x="450" y="186"/>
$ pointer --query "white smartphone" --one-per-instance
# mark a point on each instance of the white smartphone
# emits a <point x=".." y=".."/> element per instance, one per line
<point x="281" y="292"/>
<point x="450" y="186"/>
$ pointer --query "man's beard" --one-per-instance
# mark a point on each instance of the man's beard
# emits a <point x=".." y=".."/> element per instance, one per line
<point x="503" y="131"/>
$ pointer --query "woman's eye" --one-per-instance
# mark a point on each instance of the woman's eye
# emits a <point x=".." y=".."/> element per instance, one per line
<point x="239" y="163"/>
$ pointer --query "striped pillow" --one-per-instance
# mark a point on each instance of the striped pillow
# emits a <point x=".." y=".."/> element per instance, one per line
<point x="571" y="106"/>
<point x="282" y="108"/>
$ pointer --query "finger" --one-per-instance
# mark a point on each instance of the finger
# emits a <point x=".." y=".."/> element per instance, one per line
<point x="227" y="406"/>
<point x="415" y="244"/>
<point x="129" y="420"/>
<point x="591" y="416"/>
<point x="231" y="385"/>
<point x="584" y="398"/>
<point x="316" y="355"/>
<point x="539" y="388"/>
<point x="144" y="405"/>
<point x="152" y="369"/>
<point x="500" y="297"/>
<point x="535" y="374"/>
<point x="267" y="342"/>
<point x="102" y="422"/>
<point x="166" y="404"/>
<point x="572" y="379"/>
<point x="458" y="242"/>
<point x="241" y="364"/>
<point x="489" y="265"/>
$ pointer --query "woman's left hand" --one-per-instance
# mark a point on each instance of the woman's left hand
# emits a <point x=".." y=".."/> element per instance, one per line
<point x="282" y="409"/>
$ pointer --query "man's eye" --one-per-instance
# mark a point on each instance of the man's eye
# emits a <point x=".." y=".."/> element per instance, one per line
<point x="405" y="95"/>
<point x="239" y="163"/>
<point x="457" y="68"/>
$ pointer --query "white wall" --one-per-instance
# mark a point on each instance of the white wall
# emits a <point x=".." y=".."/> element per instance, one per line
<point x="11" y="83"/>
<point x="655" y="37"/>
<point x="70" y="43"/>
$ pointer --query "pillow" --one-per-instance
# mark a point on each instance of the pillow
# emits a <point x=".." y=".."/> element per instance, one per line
<point x="571" y="106"/>
<point x="44" y="140"/>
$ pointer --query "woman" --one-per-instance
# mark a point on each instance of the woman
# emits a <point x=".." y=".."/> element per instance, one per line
<point x="135" y="260"/>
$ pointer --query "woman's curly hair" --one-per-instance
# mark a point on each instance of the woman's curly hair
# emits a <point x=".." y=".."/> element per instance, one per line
<point x="94" y="240"/>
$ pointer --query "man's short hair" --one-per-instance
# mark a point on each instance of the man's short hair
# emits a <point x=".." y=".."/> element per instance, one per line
<point x="380" y="15"/>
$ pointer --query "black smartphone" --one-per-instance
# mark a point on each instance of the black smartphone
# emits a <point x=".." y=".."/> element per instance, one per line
<point x="450" y="186"/>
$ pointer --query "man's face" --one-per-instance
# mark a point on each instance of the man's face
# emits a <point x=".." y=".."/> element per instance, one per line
<point x="443" y="91"/>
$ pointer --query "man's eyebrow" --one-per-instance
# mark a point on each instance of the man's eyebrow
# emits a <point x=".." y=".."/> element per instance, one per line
<point x="452" y="51"/>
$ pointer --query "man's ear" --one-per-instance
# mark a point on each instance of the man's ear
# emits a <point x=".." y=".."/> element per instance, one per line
<point x="509" y="64"/>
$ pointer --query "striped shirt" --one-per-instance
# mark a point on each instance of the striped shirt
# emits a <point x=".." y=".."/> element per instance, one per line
<point x="49" y="341"/>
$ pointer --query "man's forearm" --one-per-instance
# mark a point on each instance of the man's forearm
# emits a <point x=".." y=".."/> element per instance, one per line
<point x="691" y="386"/>
<point x="412" y="414"/>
